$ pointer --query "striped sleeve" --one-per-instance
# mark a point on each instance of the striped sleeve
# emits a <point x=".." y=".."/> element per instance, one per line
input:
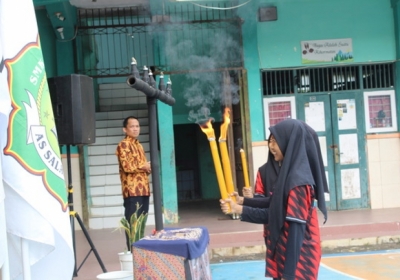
<point x="298" y="204"/>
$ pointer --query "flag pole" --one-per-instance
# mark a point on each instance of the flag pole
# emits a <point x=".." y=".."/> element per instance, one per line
<point x="25" y="259"/>
<point x="5" y="268"/>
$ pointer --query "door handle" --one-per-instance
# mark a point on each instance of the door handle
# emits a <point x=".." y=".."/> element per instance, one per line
<point x="337" y="154"/>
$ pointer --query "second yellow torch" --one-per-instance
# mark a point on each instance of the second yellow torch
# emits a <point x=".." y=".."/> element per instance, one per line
<point x="245" y="169"/>
<point x="224" y="154"/>
<point x="209" y="131"/>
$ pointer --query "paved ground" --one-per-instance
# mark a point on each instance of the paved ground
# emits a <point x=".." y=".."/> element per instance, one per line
<point x="374" y="265"/>
<point x="346" y="231"/>
<point x="326" y="251"/>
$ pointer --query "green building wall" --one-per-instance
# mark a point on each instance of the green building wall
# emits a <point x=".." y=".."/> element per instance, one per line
<point x="276" y="44"/>
<point x="372" y="25"/>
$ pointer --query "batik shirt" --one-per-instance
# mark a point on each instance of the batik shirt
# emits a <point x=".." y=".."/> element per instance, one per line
<point x="131" y="159"/>
<point x="301" y="230"/>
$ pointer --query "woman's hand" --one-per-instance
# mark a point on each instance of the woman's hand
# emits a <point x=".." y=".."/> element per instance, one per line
<point x="237" y="198"/>
<point x="247" y="192"/>
<point x="230" y="207"/>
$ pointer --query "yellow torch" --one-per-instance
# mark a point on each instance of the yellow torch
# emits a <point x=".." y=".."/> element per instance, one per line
<point x="245" y="169"/>
<point x="209" y="131"/>
<point x="224" y="154"/>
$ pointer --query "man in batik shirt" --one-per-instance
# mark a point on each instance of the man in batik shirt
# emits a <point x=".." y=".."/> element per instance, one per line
<point x="134" y="170"/>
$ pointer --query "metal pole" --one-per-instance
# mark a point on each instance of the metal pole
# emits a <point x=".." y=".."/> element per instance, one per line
<point x="71" y="204"/>
<point x="72" y="215"/>
<point x="155" y="165"/>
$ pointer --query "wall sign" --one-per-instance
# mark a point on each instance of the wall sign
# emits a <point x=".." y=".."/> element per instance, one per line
<point x="323" y="51"/>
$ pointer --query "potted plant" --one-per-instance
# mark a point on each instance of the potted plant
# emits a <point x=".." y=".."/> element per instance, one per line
<point x="134" y="228"/>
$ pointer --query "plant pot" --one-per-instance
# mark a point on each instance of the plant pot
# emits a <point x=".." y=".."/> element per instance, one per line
<point x="116" y="275"/>
<point x="126" y="261"/>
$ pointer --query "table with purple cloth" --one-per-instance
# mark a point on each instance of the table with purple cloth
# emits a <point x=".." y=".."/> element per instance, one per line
<point x="173" y="253"/>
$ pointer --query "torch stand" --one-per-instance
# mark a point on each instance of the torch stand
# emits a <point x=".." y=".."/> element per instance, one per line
<point x="73" y="215"/>
<point x="155" y="166"/>
<point x="163" y="94"/>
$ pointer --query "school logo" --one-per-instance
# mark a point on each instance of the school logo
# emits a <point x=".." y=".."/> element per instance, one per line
<point x="32" y="136"/>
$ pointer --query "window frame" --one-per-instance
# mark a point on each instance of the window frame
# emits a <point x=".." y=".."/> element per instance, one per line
<point x="269" y="100"/>
<point x="391" y="94"/>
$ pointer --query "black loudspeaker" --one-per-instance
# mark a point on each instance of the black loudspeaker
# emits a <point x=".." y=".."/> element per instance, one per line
<point x="267" y="14"/>
<point x="72" y="98"/>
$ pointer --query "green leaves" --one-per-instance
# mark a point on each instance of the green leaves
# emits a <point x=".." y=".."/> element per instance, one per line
<point x="136" y="226"/>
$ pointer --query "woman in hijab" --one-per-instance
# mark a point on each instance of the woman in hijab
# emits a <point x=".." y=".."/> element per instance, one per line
<point x="266" y="176"/>
<point x="293" y="238"/>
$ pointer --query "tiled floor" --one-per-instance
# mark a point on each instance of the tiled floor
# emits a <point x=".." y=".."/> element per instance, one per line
<point x="224" y="232"/>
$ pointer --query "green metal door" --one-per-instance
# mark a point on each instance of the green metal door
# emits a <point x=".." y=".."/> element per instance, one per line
<point x="315" y="110"/>
<point x="349" y="150"/>
<point x="338" y="120"/>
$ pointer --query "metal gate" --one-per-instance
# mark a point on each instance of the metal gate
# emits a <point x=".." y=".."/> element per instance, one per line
<point x="107" y="39"/>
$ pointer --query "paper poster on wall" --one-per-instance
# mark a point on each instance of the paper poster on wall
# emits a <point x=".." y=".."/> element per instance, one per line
<point x="348" y="147"/>
<point x="327" y="196"/>
<point x="315" y="115"/>
<point x="324" y="149"/>
<point x="322" y="51"/>
<point x="346" y="114"/>
<point x="350" y="183"/>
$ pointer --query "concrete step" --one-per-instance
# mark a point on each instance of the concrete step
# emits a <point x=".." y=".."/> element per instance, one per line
<point x="114" y="140"/>
<point x="100" y="123"/>
<point x="104" y="180"/>
<point x="105" y="190"/>
<point x="121" y="115"/>
<point x="107" y="200"/>
<point x="105" y="150"/>
<point x="117" y="131"/>
<point x="99" y="170"/>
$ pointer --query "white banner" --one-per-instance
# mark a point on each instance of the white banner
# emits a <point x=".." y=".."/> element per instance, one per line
<point x="36" y="206"/>
<point x="323" y="51"/>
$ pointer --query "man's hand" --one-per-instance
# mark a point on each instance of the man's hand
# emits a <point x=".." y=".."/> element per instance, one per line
<point x="147" y="167"/>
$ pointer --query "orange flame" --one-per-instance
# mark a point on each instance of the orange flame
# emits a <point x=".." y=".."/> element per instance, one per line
<point x="225" y="124"/>
<point x="208" y="129"/>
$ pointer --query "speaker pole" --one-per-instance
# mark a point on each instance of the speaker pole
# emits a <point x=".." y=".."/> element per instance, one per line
<point x="72" y="215"/>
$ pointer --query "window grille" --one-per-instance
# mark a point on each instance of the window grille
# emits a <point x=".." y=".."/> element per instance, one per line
<point x="278" y="82"/>
<point x="336" y="78"/>
<point x="108" y="38"/>
<point x="378" y="76"/>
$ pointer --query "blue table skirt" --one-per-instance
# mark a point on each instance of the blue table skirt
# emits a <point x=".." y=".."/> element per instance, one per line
<point x="189" y="243"/>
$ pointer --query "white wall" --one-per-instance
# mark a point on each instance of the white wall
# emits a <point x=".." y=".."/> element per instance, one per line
<point x="384" y="170"/>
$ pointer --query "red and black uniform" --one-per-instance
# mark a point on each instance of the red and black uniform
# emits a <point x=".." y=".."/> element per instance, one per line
<point x="292" y="232"/>
<point x="298" y="250"/>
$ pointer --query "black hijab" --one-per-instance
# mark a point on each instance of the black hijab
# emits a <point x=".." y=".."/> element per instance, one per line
<point x="302" y="165"/>
<point x="269" y="173"/>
